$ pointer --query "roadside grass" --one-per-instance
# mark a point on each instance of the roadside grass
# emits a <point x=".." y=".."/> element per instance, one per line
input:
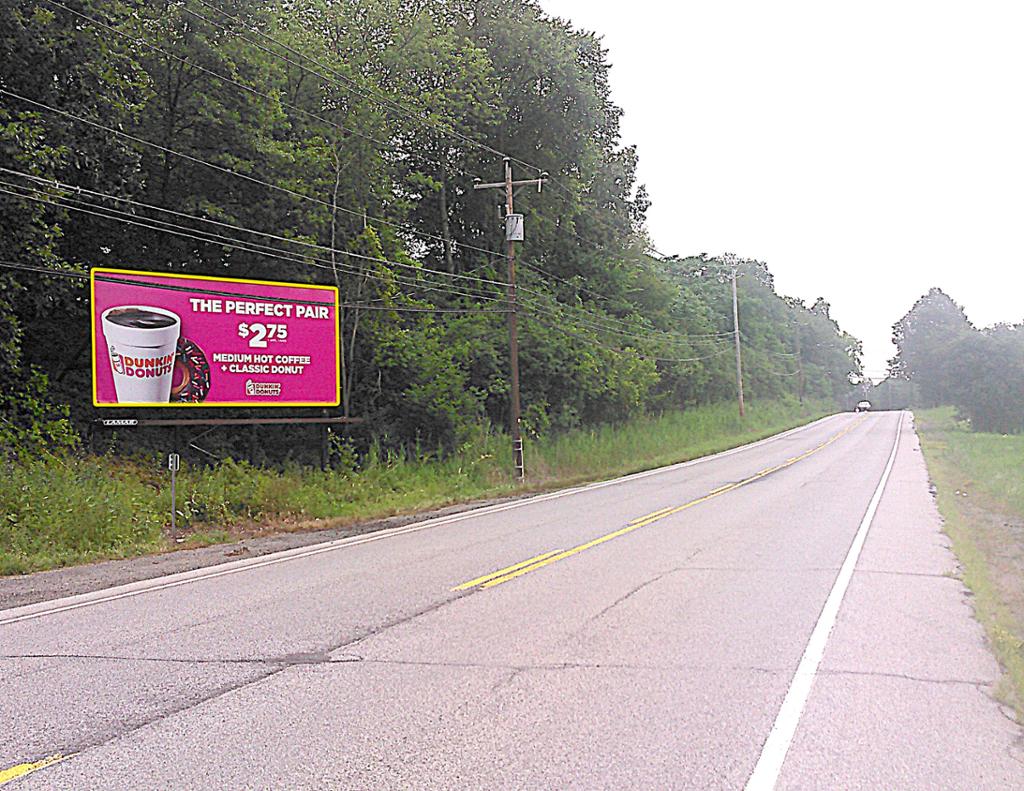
<point x="60" y="511"/>
<point x="979" y="480"/>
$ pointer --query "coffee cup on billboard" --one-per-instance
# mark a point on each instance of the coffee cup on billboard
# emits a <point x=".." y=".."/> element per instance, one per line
<point x="141" y="341"/>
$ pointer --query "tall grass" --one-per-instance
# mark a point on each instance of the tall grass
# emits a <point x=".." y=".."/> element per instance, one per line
<point x="58" y="512"/>
<point x="993" y="462"/>
<point x="656" y="441"/>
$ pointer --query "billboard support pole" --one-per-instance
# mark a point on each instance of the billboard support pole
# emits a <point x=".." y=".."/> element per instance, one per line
<point x="324" y="447"/>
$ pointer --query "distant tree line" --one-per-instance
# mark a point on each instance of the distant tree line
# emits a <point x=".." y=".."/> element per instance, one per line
<point x="943" y="359"/>
<point x="336" y="141"/>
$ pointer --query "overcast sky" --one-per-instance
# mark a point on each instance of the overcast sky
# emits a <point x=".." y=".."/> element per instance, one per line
<point x="866" y="151"/>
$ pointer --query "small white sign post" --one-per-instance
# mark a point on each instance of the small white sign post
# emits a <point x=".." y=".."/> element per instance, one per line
<point x="173" y="464"/>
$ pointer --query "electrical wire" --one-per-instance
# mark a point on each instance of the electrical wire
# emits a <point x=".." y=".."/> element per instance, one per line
<point x="325" y="263"/>
<point x="600" y="323"/>
<point x="345" y="210"/>
<point x="635" y="335"/>
<point x="383" y="101"/>
<point x="356" y="305"/>
<point x="218" y="239"/>
<point x="297" y="108"/>
<point x="229" y="171"/>
<point x="253" y="231"/>
<point x="636" y="352"/>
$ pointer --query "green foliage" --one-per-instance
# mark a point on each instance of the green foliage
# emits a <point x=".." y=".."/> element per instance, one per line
<point x="56" y="511"/>
<point x="948" y="361"/>
<point x="30" y="425"/>
<point x="991" y="463"/>
<point x="356" y="131"/>
<point x="986" y="372"/>
<point x="923" y="339"/>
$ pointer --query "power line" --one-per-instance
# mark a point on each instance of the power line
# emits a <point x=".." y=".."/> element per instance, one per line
<point x="290" y="105"/>
<point x="455" y="276"/>
<point x="43" y="270"/>
<point x="297" y="108"/>
<point x="207" y="237"/>
<point x="385" y="102"/>
<point x="596" y="322"/>
<point x="260" y="249"/>
<point x="228" y="171"/>
<point x="639" y="335"/>
<point x="250" y="247"/>
<point x="583" y="289"/>
<point x="636" y="352"/>
<point x="69" y="187"/>
<point x="362" y="306"/>
<point x="608" y="321"/>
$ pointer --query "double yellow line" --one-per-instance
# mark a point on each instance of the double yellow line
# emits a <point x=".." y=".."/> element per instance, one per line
<point x="501" y="576"/>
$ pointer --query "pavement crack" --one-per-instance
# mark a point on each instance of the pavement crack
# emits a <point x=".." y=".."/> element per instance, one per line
<point x="971" y="682"/>
<point x="267" y="669"/>
<point x="519" y="669"/>
<point x="158" y="659"/>
<point x="646" y="583"/>
<point x="907" y="573"/>
<point x="400" y="621"/>
<point x="287" y="660"/>
<point x="507" y="681"/>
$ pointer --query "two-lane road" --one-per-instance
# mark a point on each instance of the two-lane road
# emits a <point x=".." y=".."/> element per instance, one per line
<point x="782" y="613"/>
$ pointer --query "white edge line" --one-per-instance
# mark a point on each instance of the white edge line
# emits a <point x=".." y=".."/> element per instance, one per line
<point x="773" y="754"/>
<point x="74" y="602"/>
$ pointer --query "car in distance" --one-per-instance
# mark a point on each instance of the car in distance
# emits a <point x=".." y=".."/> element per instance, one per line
<point x="862" y="406"/>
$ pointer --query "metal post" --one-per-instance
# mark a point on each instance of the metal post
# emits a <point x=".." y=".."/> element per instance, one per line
<point x="174" y="495"/>
<point x="173" y="461"/>
<point x="736" y="334"/>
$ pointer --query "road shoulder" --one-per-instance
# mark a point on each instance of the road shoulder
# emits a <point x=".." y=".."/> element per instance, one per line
<point x="905" y="695"/>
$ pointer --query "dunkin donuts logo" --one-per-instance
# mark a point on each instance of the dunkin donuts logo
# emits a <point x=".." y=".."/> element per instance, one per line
<point x="141" y="367"/>
<point x="262" y="388"/>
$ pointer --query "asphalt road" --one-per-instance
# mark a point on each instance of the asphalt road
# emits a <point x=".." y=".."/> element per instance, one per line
<point x="783" y="614"/>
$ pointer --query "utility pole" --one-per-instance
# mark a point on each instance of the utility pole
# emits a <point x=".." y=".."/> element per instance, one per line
<point x="731" y="259"/>
<point x="800" y="360"/>
<point x="513" y="234"/>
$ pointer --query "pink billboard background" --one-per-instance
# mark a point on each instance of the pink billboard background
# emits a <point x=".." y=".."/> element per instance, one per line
<point x="162" y="340"/>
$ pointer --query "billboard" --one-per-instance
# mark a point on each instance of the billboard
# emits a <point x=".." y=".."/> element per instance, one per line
<point x="181" y="340"/>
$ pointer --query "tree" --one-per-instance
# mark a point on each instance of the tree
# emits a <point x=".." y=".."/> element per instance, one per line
<point x="986" y="375"/>
<point x="923" y="339"/>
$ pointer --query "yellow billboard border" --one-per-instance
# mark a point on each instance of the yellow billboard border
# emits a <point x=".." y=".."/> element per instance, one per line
<point x="213" y="278"/>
